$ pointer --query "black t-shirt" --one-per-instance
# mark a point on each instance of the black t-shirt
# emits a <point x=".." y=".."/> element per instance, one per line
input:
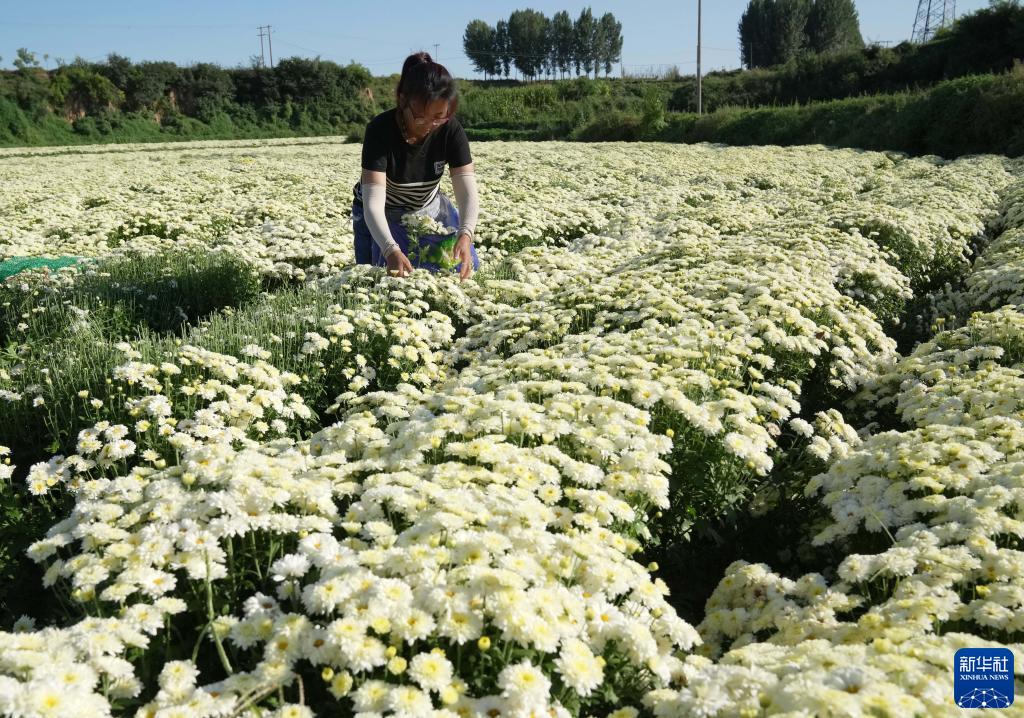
<point x="413" y="172"/>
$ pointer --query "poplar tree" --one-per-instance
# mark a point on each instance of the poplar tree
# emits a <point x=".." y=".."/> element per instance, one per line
<point x="584" y="29"/>
<point x="562" y="41"/>
<point x="478" y="42"/>
<point x="610" y="48"/>
<point x="833" y="26"/>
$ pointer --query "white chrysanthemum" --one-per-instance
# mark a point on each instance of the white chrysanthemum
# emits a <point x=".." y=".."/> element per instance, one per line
<point x="178" y="678"/>
<point x="291" y="566"/>
<point x="431" y="671"/>
<point x="372" y="695"/>
<point x="524" y="684"/>
<point x="579" y="668"/>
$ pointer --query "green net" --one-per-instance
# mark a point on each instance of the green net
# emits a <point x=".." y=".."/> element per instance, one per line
<point x="14" y="265"/>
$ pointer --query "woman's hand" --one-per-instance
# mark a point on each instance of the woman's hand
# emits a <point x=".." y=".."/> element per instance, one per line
<point x="398" y="262"/>
<point x="463" y="253"/>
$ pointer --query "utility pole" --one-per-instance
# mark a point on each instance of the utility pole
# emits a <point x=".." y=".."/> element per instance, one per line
<point x="436" y="45"/>
<point x="270" y="45"/>
<point x="700" y="102"/>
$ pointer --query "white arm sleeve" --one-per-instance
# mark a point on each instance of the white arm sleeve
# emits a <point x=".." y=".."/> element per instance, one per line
<point x="468" y="201"/>
<point x="374" y="196"/>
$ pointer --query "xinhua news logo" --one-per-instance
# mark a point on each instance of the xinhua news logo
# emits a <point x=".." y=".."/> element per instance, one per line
<point x="983" y="678"/>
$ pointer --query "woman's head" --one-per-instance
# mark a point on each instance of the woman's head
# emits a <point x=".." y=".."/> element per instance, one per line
<point x="426" y="91"/>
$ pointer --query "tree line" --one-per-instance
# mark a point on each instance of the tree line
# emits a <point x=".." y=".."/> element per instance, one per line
<point x="297" y="91"/>
<point x="540" y="46"/>
<point x="773" y="32"/>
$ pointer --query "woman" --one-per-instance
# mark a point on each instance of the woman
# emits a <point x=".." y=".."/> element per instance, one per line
<point x="405" y="150"/>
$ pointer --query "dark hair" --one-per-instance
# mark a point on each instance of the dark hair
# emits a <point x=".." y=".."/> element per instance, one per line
<point x="424" y="81"/>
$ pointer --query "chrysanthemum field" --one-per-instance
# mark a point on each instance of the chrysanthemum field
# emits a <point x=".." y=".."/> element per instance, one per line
<point x="713" y="432"/>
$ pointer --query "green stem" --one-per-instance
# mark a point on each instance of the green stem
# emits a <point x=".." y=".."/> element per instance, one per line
<point x="212" y="616"/>
<point x="231" y="569"/>
<point x="255" y="554"/>
<point x="270" y="558"/>
<point x="199" y="642"/>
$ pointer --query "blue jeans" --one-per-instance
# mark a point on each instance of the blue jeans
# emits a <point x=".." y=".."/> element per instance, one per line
<point x="367" y="251"/>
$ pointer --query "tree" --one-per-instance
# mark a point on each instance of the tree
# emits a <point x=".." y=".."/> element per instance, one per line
<point x="502" y="46"/>
<point x="597" y="47"/>
<point x="118" y="69"/>
<point x="527" y="33"/>
<point x="833" y="26"/>
<point x="755" y="34"/>
<point x="789" y="28"/>
<point x="773" y="31"/>
<point x="25" y="60"/>
<point x="548" y="49"/>
<point x="30" y="84"/>
<point x="149" y="83"/>
<point x="257" y="87"/>
<point x="584" y="30"/>
<point x="537" y="45"/>
<point x="610" y="46"/>
<point x="300" y="79"/>
<point x="204" y="90"/>
<point x="81" y="91"/>
<point x="478" y="42"/>
<point x="562" y="41"/>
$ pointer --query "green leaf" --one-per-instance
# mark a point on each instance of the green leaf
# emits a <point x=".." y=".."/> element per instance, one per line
<point x="609" y="694"/>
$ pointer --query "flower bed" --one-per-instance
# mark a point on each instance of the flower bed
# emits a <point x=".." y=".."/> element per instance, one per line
<point x="646" y="339"/>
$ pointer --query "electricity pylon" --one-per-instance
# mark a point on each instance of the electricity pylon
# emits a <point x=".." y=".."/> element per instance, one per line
<point x="931" y="15"/>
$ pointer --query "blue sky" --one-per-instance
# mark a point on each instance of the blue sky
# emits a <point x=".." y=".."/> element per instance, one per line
<point x="377" y="34"/>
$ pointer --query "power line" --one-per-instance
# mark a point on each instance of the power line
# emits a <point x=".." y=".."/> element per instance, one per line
<point x="300" y="47"/>
<point x="337" y="35"/>
<point x="658" y="64"/>
<point x="119" y="26"/>
<point x="321" y="53"/>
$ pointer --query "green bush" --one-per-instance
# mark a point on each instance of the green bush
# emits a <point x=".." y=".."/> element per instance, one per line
<point x="14" y="125"/>
<point x="164" y="291"/>
<point x="967" y="115"/>
<point x="78" y="88"/>
<point x="610" y="127"/>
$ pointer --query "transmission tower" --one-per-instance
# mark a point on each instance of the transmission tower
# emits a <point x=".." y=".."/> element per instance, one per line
<point x="931" y="15"/>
